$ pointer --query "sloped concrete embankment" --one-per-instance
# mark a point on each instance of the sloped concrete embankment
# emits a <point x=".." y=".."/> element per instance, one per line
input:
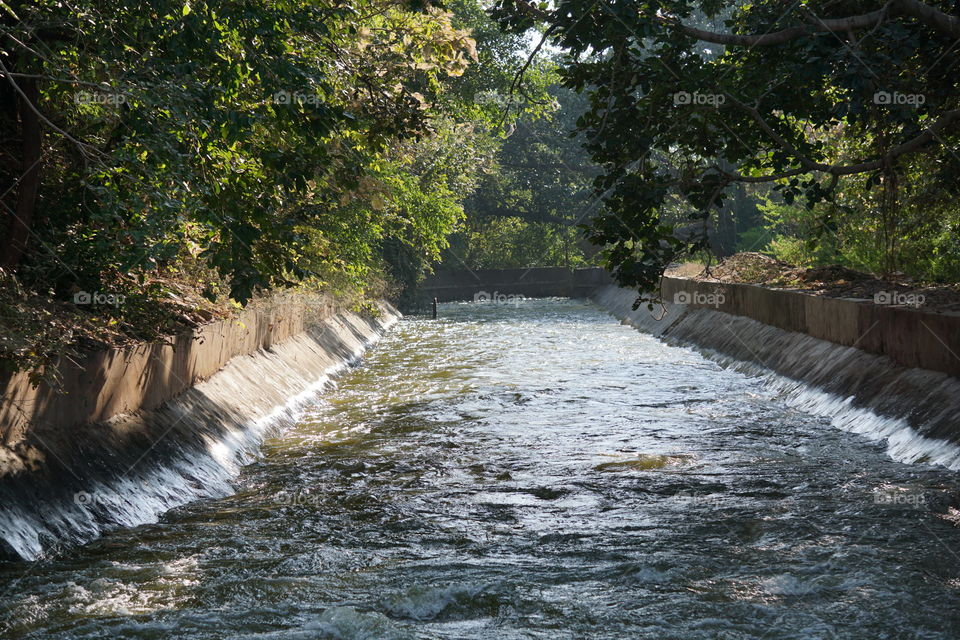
<point x="134" y="432"/>
<point x="885" y="372"/>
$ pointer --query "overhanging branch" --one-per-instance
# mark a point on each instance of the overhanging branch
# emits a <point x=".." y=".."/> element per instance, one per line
<point x="824" y="25"/>
<point x="928" y="135"/>
<point x="932" y="17"/>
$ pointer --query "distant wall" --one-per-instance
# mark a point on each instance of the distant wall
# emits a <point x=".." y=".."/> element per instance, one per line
<point x="448" y="285"/>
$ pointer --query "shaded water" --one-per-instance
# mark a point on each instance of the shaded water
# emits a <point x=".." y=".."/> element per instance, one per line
<point x="530" y="471"/>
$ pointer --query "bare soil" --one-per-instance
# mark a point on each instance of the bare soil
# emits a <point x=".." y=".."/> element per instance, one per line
<point x="38" y="329"/>
<point x="834" y="281"/>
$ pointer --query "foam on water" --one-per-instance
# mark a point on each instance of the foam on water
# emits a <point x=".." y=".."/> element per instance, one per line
<point x="459" y="497"/>
<point x="346" y="623"/>
<point x="903" y="442"/>
<point x="432" y="602"/>
<point x="914" y="412"/>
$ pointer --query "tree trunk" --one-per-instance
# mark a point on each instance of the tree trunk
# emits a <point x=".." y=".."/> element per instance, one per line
<point x="19" y="228"/>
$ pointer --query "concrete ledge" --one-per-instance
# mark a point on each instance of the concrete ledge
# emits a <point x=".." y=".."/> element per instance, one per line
<point x="909" y="337"/>
<point x="148" y="428"/>
<point x="835" y="358"/>
<point x="143" y="376"/>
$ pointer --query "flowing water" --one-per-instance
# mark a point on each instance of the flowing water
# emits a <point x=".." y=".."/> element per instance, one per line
<point x="530" y="471"/>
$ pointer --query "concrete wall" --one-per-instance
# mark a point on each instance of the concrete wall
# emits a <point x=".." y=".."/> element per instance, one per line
<point x="143" y="376"/>
<point x="812" y="346"/>
<point x="155" y="426"/>
<point x="909" y="337"/>
<point x="535" y="282"/>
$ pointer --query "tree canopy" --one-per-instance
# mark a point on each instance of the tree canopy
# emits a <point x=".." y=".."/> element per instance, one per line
<point x="255" y="135"/>
<point x="689" y="98"/>
<point x="347" y="145"/>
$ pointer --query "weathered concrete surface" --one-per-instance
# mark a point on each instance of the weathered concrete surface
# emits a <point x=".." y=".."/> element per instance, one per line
<point x="535" y="282"/>
<point x="155" y="426"/>
<point x="817" y="347"/>
<point x="619" y="303"/>
<point x="143" y="376"/>
<point x="909" y="337"/>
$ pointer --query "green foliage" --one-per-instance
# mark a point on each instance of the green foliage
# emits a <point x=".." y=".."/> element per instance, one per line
<point x="242" y="145"/>
<point x="755" y="238"/>
<point x="526" y="210"/>
<point x="798" y="235"/>
<point x="224" y="128"/>
<point x="508" y="242"/>
<point x="917" y="238"/>
<point x="685" y="102"/>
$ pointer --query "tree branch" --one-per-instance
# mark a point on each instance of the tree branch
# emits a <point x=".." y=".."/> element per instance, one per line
<point x="825" y="25"/>
<point x="928" y="135"/>
<point x="82" y="146"/>
<point x="45" y="78"/>
<point x="518" y="77"/>
<point x="930" y="16"/>
<point x="836" y="170"/>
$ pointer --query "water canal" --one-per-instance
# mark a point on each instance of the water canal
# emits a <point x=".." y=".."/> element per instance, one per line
<point x="531" y="470"/>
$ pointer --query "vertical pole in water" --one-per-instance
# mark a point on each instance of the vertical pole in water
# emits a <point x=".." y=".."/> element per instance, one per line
<point x="434" y="308"/>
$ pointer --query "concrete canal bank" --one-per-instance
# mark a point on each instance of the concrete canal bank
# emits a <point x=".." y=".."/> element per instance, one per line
<point x="892" y="372"/>
<point x="135" y="431"/>
<point x="886" y="372"/>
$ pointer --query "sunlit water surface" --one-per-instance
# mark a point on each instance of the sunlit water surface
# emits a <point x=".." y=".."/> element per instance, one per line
<point x="529" y="471"/>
